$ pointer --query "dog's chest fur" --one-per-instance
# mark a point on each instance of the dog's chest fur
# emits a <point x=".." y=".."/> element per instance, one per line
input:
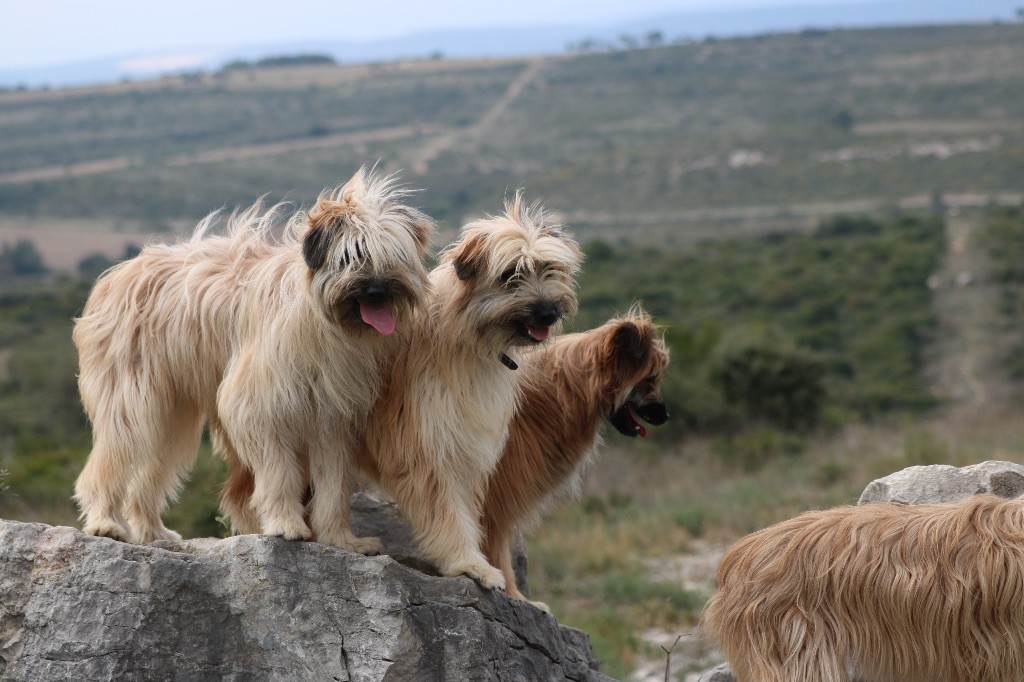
<point x="465" y="406"/>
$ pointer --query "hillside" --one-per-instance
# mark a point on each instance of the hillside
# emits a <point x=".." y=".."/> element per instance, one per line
<point x="828" y="224"/>
<point x="659" y="144"/>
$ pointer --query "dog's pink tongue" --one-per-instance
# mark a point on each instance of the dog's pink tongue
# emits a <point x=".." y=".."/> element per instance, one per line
<point x="538" y="333"/>
<point x="377" y="316"/>
<point x="640" y="428"/>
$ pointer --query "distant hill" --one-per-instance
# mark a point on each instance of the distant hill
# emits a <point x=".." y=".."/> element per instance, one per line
<point x="670" y="144"/>
<point x="523" y="40"/>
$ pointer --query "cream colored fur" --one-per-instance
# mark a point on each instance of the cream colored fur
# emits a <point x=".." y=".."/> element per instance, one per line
<point x="243" y="330"/>
<point x="437" y="432"/>
<point x="881" y="592"/>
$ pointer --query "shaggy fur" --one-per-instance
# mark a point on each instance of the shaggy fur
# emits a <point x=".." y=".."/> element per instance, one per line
<point x="279" y="342"/>
<point x="571" y="387"/>
<point x="880" y="592"/>
<point x="437" y="432"/>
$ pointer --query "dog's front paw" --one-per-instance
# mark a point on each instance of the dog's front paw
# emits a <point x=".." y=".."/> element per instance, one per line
<point x="369" y="545"/>
<point x="107" y="528"/>
<point x="481" y="571"/>
<point x="148" y="535"/>
<point x="346" y="540"/>
<point x="288" y="529"/>
<point x="542" y="606"/>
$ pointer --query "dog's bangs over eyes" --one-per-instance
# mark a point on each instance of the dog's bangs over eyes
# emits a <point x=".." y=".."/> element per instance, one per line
<point x="377" y="252"/>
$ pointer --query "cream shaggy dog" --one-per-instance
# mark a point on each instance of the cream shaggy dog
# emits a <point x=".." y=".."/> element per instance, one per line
<point x="281" y="343"/>
<point x="436" y="433"/>
<point x="571" y="387"/>
<point x="879" y="592"/>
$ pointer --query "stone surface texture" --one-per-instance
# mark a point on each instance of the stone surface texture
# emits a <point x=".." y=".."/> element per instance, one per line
<point x="944" y="483"/>
<point x="74" y="607"/>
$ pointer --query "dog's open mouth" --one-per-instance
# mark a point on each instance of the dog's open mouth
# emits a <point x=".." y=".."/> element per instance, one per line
<point x="629" y="422"/>
<point x="378" y="316"/>
<point x="641" y="430"/>
<point x="538" y="334"/>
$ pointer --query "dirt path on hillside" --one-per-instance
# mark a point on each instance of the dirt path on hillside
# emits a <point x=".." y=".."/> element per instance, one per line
<point x="965" y="361"/>
<point x="216" y="155"/>
<point x="435" y="147"/>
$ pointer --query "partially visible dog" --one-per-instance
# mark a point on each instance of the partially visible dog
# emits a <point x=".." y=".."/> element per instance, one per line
<point x="877" y="592"/>
<point x="571" y="387"/>
<point x="436" y="434"/>
<point x="281" y="343"/>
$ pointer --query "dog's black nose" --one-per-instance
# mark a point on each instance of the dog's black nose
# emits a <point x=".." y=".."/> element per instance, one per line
<point x="653" y="413"/>
<point x="546" y="313"/>
<point x="376" y="291"/>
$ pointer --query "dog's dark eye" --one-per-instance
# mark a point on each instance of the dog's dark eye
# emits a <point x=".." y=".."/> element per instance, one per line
<point x="507" y="275"/>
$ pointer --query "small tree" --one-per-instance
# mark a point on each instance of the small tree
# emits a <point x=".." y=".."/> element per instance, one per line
<point x="843" y="120"/>
<point x="93" y="265"/>
<point x="782" y="386"/>
<point x="629" y="42"/>
<point x="21" y="259"/>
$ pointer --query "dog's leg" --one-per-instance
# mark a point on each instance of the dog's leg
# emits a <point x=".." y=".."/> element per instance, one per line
<point x="498" y="549"/>
<point x="332" y="474"/>
<point x="444" y="523"/>
<point x="277" y="495"/>
<point x="253" y="422"/>
<point x="235" y="501"/>
<point x="158" y="471"/>
<point x="99" y="488"/>
<point x="236" y="492"/>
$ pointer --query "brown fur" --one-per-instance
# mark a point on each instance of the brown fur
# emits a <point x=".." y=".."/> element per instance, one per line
<point x="439" y="425"/>
<point x="570" y="387"/>
<point x="439" y="428"/>
<point x="880" y="592"/>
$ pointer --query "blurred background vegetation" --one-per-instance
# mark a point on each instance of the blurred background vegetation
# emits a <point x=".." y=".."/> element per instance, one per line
<point x="827" y="224"/>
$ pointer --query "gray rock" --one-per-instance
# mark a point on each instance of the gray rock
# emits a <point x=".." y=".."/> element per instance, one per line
<point x="720" y="673"/>
<point x="74" y="607"/>
<point x="378" y="518"/>
<point x="944" y="483"/>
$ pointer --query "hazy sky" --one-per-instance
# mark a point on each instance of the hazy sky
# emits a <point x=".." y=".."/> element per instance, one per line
<point x="43" y="32"/>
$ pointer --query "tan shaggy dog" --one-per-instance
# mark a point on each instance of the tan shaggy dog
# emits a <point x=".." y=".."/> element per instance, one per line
<point x="878" y="592"/>
<point x="281" y="343"/>
<point x="571" y="387"/>
<point x="440" y="426"/>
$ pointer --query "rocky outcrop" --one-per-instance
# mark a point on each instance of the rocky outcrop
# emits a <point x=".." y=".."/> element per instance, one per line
<point x="944" y="483"/>
<point x="936" y="483"/>
<point x="74" y="607"/>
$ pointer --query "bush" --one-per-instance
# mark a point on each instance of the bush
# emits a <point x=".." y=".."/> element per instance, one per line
<point x="21" y="259"/>
<point x="92" y="266"/>
<point x="783" y="387"/>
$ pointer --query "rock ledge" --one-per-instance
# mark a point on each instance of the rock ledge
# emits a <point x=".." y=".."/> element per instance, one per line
<point x="74" y="607"/>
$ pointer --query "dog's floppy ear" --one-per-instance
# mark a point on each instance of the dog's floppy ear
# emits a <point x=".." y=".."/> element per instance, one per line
<point x="420" y="225"/>
<point x="630" y="342"/>
<point x="468" y="256"/>
<point x="325" y="219"/>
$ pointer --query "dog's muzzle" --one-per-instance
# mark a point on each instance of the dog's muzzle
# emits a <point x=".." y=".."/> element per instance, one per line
<point x="626" y="419"/>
